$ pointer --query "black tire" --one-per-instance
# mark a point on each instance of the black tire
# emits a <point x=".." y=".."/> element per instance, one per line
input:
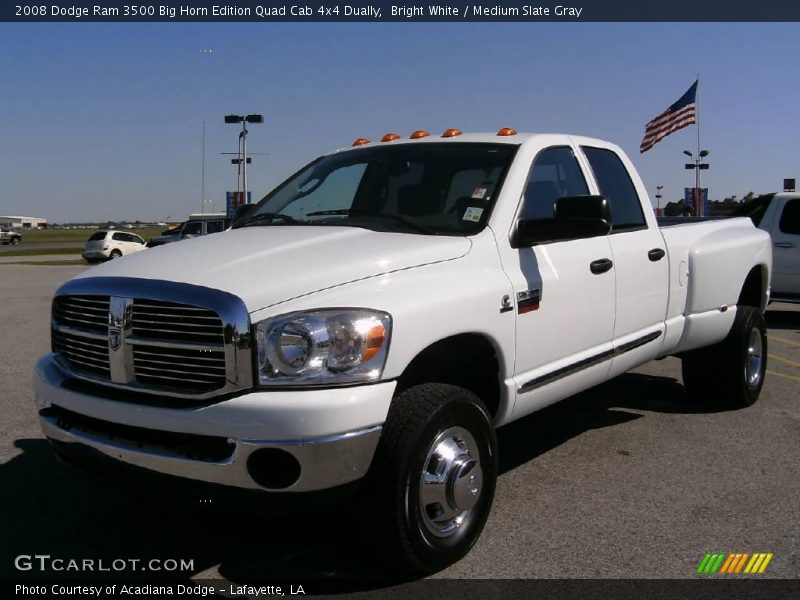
<point x="15" y="241"/>
<point x="421" y="419"/>
<point x="114" y="254"/>
<point x="732" y="372"/>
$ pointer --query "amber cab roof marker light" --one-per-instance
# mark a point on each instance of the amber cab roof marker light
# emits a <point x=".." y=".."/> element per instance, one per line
<point x="389" y="137"/>
<point x="507" y="131"/>
<point x="419" y="133"/>
<point x="451" y="133"/>
<point x="360" y="142"/>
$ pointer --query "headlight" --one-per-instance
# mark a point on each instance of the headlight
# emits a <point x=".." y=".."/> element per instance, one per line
<point x="323" y="347"/>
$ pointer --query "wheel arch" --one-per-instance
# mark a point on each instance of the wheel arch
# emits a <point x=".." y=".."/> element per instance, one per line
<point x="469" y="360"/>
<point x="754" y="288"/>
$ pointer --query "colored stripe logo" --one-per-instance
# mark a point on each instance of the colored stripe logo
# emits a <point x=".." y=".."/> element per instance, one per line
<point x="734" y="563"/>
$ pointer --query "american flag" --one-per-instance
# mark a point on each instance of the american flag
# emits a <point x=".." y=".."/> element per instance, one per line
<point x="677" y="116"/>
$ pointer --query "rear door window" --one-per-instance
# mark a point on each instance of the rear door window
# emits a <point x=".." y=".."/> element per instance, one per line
<point x="615" y="184"/>
<point x="790" y="219"/>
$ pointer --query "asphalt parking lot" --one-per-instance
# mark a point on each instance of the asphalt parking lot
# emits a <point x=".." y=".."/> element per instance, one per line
<point x="627" y="480"/>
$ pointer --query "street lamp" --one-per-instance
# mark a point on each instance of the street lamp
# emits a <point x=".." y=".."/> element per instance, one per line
<point x="243" y="160"/>
<point x="697" y="165"/>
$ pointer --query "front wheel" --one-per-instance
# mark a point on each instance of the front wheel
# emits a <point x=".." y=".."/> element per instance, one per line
<point x="731" y="372"/>
<point x="432" y="482"/>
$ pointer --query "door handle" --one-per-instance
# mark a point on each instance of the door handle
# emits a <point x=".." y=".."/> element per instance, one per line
<point x="656" y="254"/>
<point x="784" y="245"/>
<point x="601" y="265"/>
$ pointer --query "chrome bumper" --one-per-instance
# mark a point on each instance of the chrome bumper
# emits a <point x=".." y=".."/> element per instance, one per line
<point x="324" y="463"/>
<point x="296" y="422"/>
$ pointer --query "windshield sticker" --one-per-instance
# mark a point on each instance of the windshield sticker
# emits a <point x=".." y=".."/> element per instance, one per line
<point x="473" y="213"/>
<point x="478" y="193"/>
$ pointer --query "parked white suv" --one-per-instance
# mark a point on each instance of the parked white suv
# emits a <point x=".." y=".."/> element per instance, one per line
<point x="105" y="245"/>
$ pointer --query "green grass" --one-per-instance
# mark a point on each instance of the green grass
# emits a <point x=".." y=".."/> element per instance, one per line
<point x="49" y="263"/>
<point x="60" y="236"/>
<point x="22" y="251"/>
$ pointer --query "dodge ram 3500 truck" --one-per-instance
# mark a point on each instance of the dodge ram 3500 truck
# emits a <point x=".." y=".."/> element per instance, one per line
<point x="372" y="320"/>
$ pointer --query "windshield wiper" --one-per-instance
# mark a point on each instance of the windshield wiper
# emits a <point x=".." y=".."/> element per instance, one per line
<point x="255" y="219"/>
<point x="360" y="212"/>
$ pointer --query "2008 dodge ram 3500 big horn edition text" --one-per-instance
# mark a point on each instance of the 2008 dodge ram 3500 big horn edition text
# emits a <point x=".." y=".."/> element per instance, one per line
<point x="372" y="320"/>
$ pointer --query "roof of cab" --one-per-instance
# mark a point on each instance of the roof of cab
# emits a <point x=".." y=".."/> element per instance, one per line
<point x="484" y="137"/>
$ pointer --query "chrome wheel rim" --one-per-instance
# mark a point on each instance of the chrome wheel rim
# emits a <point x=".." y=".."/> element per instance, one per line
<point x="754" y="359"/>
<point x="451" y="482"/>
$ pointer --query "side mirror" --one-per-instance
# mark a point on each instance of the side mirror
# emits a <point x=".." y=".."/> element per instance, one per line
<point x="574" y="217"/>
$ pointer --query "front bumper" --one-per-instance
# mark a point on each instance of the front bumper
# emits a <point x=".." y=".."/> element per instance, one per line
<point x="331" y="433"/>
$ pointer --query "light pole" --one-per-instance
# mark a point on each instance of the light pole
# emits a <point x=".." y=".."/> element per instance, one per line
<point x="242" y="161"/>
<point x="658" y="199"/>
<point x="697" y="165"/>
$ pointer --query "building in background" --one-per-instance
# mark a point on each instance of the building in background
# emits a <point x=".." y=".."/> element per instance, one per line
<point x="23" y="222"/>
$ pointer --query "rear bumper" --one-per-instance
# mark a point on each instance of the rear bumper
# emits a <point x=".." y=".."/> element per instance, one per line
<point x="331" y="434"/>
<point x="95" y="254"/>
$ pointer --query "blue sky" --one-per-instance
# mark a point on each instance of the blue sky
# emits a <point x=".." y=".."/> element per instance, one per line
<point x="103" y="121"/>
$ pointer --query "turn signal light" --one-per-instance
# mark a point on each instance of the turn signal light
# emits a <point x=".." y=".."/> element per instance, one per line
<point x="390" y="137"/>
<point x="375" y="338"/>
<point x="419" y="133"/>
<point x="451" y="132"/>
<point x="361" y="142"/>
<point x="507" y="131"/>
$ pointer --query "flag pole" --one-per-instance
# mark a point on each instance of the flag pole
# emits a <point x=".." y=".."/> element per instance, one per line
<point x="697" y="166"/>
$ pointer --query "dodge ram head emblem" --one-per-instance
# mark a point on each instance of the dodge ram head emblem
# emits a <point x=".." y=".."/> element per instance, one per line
<point x="115" y="339"/>
<point x="120" y="352"/>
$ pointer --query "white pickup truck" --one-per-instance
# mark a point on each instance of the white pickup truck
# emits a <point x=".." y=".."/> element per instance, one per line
<point x="371" y="321"/>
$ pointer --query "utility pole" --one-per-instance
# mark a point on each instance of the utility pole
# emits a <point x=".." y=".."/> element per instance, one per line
<point x="698" y="165"/>
<point x="658" y="199"/>
<point x="203" y="174"/>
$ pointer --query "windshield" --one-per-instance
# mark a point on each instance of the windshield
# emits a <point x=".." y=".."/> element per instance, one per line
<point x="417" y="188"/>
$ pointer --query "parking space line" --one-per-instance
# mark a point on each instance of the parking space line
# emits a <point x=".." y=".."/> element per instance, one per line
<point x="784" y="375"/>
<point x="784" y="340"/>
<point x="784" y="360"/>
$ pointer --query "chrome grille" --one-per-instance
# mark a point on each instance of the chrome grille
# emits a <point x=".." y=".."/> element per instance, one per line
<point x="190" y="369"/>
<point x="164" y="338"/>
<point x="82" y="312"/>
<point x="170" y="320"/>
<point x="83" y="353"/>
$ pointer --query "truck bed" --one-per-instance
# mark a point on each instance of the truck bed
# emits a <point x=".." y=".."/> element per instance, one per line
<point x="673" y="221"/>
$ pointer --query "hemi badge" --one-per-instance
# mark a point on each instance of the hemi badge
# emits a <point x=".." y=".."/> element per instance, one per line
<point x="528" y="301"/>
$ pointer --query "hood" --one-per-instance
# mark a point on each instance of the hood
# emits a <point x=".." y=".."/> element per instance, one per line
<point x="268" y="265"/>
